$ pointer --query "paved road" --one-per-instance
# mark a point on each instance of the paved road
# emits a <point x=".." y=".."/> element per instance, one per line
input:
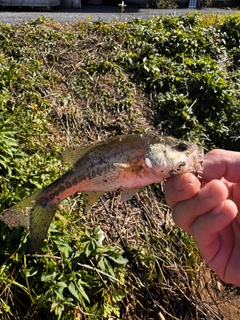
<point x="104" y="13"/>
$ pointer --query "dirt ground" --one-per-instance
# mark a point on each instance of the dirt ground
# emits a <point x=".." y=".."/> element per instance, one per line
<point x="223" y="299"/>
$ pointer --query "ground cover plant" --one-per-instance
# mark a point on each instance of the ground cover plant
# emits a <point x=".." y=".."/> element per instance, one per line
<point x="66" y="85"/>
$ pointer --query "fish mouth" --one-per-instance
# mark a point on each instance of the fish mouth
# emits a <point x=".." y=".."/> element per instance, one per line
<point x="196" y="162"/>
<point x="199" y="169"/>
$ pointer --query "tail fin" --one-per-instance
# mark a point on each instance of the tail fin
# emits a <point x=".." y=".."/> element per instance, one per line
<point x="40" y="220"/>
<point x="28" y="213"/>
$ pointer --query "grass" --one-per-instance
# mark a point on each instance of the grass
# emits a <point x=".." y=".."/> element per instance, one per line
<point x="66" y="85"/>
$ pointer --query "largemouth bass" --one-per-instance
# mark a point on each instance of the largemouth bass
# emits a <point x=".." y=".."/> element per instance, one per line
<point x="123" y="163"/>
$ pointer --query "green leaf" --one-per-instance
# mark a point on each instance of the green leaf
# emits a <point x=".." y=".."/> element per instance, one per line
<point x="118" y="259"/>
<point x="46" y="276"/>
<point x="82" y="291"/>
<point x="101" y="264"/>
<point x="73" y="291"/>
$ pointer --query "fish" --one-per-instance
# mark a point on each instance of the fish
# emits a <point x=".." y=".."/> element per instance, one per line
<point x="122" y="164"/>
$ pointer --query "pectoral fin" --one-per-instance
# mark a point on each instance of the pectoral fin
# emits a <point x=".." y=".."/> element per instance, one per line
<point x="128" y="167"/>
<point x="89" y="199"/>
<point x="127" y="194"/>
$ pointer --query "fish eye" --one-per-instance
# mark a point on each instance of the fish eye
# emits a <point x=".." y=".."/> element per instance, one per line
<point x="182" y="146"/>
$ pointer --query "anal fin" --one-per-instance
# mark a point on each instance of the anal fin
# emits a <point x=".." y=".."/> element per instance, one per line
<point x="90" y="198"/>
<point x="127" y="194"/>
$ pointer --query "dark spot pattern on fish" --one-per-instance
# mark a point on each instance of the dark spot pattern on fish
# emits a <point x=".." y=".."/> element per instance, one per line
<point x="71" y="179"/>
<point x="68" y="184"/>
<point x="61" y="188"/>
<point x="102" y="161"/>
<point x="76" y="180"/>
<point x="44" y="202"/>
<point x="98" y="171"/>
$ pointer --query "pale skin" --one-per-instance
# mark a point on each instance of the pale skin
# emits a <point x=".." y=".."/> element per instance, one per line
<point x="210" y="213"/>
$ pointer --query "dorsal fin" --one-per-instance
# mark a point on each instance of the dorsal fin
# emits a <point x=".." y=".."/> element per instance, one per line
<point x="71" y="156"/>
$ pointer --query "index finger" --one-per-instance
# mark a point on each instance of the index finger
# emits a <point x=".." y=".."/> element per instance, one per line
<point x="220" y="163"/>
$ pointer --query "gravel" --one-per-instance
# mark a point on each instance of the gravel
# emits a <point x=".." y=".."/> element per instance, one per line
<point x="94" y="13"/>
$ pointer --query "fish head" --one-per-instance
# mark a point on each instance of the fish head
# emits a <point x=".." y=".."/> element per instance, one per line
<point x="173" y="157"/>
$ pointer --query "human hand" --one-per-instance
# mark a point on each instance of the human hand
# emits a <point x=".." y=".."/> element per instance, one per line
<point x="211" y="213"/>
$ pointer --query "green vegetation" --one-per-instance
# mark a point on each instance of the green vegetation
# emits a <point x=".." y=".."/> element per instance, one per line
<point x="75" y="84"/>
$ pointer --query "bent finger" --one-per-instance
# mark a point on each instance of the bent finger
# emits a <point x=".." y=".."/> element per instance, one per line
<point x="220" y="163"/>
<point x="209" y="197"/>
<point x="218" y="249"/>
<point x="207" y="228"/>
